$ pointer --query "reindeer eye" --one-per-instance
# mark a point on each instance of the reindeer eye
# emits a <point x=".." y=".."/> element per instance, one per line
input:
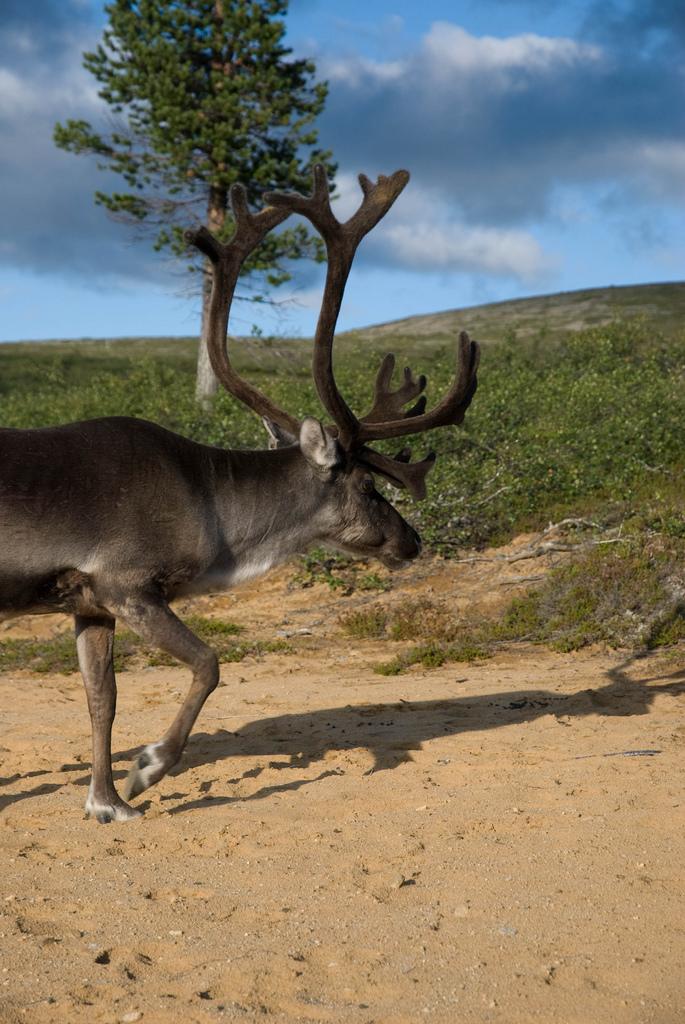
<point x="368" y="486"/>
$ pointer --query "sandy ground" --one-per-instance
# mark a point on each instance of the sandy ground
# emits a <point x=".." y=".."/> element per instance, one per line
<point x="485" y="842"/>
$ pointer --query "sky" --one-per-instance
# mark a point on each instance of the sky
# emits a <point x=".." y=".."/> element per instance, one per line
<point x="545" y="141"/>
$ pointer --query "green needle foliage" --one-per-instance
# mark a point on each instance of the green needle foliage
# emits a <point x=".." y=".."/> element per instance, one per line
<point x="204" y="94"/>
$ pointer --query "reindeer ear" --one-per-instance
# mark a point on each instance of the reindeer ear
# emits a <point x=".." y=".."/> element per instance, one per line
<point x="278" y="436"/>
<point x="318" y="447"/>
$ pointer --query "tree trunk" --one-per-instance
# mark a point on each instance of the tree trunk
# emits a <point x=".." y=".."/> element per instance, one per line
<point x="206" y="384"/>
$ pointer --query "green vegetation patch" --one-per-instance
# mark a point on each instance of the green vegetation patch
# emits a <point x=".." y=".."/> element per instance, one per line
<point x="415" y="619"/>
<point x="591" y="422"/>
<point x="629" y="595"/>
<point x="338" y="572"/>
<point x="471" y="646"/>
<point x="364" y="624"/>
<point x="58" y="654"/>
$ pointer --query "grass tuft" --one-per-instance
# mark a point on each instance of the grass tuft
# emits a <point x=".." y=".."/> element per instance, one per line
<point x="471" y="646"/>
<point x="365" y="624"/>
<point x="420" y="618"/>
<point x="338" y="572"/>
<point x="58" y="654"/>
<point x="631" y="595"/>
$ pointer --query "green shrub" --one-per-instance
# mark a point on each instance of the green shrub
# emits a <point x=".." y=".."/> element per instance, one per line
<point x="592" y="422"/>
<point x="372" y="581"/>
<point x="366" y="623"/>
<point x="470" y="646"/>
<point x="629" y="595"/>
<point x="625" y="595"/>
<point x="58" y="654"/>
<point x="421" y="618"/>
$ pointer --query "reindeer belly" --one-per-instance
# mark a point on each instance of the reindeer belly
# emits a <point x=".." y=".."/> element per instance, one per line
<point x="227" y="571"/>
<point x="67" y="590"/>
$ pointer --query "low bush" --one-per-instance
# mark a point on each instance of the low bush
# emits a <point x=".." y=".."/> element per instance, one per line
<point x="631" y="595"/>
<point x="594" y="422"/>
<point x="415" y="619"/>
<point x="58" y="654"/>
<point x="364" y="624"/>
<point x="338" y="572"/>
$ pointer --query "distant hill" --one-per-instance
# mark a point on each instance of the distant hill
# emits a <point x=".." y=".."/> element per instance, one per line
<point x="552" y="316"/>
<point x="661" y="304"/>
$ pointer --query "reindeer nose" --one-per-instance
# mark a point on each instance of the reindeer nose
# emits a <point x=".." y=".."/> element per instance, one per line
<point x="417" y="543"/>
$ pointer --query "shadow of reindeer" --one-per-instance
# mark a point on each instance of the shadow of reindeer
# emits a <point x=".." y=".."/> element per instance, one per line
<point x="388" y="731"/>
<point x="12" y="798"/>
<point x="391" y="731"/>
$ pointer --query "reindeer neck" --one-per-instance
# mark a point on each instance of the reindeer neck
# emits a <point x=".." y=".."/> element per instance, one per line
<point x="269" y="505"/>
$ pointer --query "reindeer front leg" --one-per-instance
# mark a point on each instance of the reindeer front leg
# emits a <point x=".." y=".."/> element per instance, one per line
<point x="153" y="620"/>
<point x="95" y="647"/>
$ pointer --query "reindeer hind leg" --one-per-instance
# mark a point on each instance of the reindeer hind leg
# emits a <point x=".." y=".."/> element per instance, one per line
<point x="95" y="647"/>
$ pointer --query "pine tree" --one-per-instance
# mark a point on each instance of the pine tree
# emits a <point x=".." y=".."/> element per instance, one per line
<point x="205" y="94"/>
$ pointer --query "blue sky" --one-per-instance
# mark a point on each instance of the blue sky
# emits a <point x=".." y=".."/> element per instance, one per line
<point x="546" y="143"/>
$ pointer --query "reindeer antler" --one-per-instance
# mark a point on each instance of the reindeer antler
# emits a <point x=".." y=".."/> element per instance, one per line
<point x="341" y="241"/>
<point x="389" y="404"/>
<point x="388" y="416"/>
<point x="227" y="260"/>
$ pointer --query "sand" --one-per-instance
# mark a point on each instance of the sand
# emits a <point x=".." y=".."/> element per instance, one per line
<point x="500" y="841"/>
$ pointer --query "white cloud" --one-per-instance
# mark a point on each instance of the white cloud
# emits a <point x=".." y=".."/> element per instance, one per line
<point x="353" y="71"/>
<point x="449" y="51"/>
<point x="662" y="164"/>
<point x="305" y="298"/>
<point x="425" y="232"/>
<point x="450" y="48"/>
<point x="500" y="124"/>
<point x="17" y="97"/>
<point x="48" y="92"/>
<point x="458" y="247"/>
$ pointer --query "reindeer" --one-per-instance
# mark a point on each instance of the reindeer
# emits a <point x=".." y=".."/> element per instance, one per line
<point x="113" y="518"/>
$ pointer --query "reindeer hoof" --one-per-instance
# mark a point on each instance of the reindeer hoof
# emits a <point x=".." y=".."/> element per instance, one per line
<point x="106" y="811"/>
<point x="147" y="769"/>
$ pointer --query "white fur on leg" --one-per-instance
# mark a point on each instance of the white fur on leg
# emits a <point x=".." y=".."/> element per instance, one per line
<point x="114" y="810"/>
<point x="147" y="769"/>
